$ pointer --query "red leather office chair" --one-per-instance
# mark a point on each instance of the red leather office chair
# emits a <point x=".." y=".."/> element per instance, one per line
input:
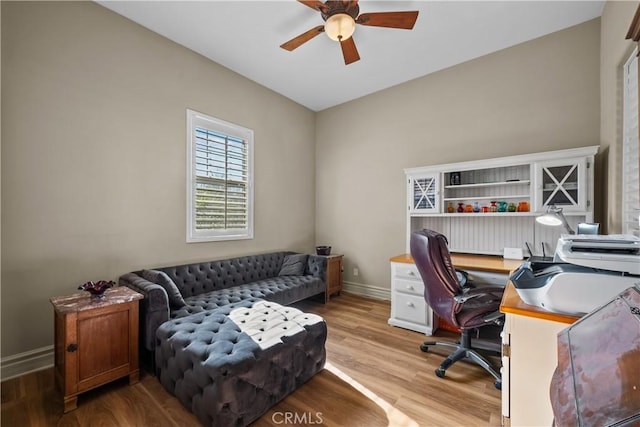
<point x="475" y="311"/>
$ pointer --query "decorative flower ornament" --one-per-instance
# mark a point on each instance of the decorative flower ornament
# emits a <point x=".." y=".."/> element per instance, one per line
<point x="97" y="289"/>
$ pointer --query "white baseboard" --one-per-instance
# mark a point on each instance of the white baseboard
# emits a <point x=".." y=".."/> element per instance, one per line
<point x="367" y="290"/>
<point x="23" y="363"/>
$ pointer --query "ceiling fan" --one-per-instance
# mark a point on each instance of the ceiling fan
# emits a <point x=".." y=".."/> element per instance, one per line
<point x="341" y="17"/>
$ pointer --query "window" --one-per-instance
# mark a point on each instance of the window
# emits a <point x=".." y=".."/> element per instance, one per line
<point x="630" y="162"/>
<point x="219" y="180"/>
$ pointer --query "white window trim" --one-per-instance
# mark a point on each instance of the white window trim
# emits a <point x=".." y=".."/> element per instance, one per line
<point x="194" y="119"/>
<point x="630" y="150"/>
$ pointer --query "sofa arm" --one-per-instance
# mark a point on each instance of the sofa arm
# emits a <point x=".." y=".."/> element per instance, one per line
<point x="317" y="267"/>
<point x="154" y="308"/>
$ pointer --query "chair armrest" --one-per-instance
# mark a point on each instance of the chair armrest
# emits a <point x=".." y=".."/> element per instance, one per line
<point x="494" y="317"/>
<point x="470" y="293"/>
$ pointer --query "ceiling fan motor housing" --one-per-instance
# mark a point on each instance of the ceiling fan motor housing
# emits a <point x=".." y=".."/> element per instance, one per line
<point x="333" y="7"/>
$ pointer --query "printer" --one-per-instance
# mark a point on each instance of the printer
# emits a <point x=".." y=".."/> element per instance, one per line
<point x="587" y="271"/>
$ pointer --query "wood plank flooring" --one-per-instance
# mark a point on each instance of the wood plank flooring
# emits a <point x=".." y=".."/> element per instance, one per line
<point x="375" y="375"/>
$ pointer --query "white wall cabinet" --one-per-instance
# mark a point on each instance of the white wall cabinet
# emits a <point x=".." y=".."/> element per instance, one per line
<point x="424" y="194"/>
<point x="486" y="205"/>
<point x="562" y="183"/>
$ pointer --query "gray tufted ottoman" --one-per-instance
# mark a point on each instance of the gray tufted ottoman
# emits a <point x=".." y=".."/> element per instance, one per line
<point x="229" y="366"/>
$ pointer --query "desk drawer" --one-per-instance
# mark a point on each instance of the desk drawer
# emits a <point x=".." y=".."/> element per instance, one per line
<point x="407" y="271"/>
<point x="413" y="287"/>
<point x="411" y="308"/>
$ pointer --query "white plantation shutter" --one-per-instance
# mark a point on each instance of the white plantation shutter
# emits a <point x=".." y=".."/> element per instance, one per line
<point x="630" y="160"/>
<point x="219" y="184"/>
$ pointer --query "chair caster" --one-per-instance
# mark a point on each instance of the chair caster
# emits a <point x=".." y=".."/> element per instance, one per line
<point x="498" y="384"/>
<point x="440" y="373"/>
<point x="424" y="347"/>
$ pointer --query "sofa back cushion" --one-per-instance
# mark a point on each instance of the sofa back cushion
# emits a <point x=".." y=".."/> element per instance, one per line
<point x="195" y="279"/>
<point x="293" y="265"/>
<point x="161" y="278"/>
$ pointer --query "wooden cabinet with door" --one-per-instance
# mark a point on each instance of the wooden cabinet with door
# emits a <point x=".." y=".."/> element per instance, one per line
<point x="96" y="341"/>
<point x="334" y="276"/>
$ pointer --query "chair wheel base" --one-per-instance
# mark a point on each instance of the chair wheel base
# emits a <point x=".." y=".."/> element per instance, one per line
<point x="424" y="348"/>
<point x="440" y="373"/>
<point x="498" y="384"/>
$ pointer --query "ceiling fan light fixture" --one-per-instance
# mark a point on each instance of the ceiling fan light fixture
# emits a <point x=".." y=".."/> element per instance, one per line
<point x="339" y="26"/>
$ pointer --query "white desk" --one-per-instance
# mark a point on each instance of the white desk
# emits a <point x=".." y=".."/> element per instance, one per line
<point x="528" y="361"/>
<point x="530" y="338"/>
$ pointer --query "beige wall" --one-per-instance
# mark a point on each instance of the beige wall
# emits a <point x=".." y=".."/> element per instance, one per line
<point x="538" y="96"/>
<point x="93" y="164"/>
<point x="614" y="52"/>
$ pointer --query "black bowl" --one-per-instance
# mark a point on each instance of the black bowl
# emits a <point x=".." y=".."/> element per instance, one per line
<point x="323" y="250"/>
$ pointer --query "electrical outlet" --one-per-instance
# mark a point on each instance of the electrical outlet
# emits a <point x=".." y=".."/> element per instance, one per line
<point x="356" y="271"/>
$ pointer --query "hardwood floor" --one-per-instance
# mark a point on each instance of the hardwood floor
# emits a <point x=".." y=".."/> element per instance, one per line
<point x="375" y="375"/>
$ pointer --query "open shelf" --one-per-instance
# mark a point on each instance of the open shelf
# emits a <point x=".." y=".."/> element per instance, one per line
<point x="490" y="198"/>
<point x="488" y="184"/>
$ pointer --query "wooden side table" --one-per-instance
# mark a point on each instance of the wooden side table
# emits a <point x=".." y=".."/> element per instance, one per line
<point x="334" y="276"/>
<point x="96" y="341"/>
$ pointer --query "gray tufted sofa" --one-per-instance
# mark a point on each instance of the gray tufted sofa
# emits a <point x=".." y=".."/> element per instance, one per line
<point x="184" y="290"/>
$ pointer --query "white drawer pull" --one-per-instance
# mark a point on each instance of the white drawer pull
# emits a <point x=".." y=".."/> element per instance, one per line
<point x="410" y="304"/>
<point x="411" y="273"/>
<point x="410" y="287"/>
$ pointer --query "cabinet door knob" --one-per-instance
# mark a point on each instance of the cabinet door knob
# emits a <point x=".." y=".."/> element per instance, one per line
<point x="409" y="304"/>
<point x="72" y="347"/>
<point x="410" y="287"/>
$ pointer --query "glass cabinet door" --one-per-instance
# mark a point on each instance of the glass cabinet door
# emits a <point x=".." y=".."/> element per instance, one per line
<point x="561" y="183"/>
<point x="424" y="194"/>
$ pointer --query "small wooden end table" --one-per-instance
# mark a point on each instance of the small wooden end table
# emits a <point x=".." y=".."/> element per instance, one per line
<point x="334" y="276"/>
<point x="96" y="341"/>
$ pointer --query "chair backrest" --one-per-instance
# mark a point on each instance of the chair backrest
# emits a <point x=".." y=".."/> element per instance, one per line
<point x="431" y="256"/>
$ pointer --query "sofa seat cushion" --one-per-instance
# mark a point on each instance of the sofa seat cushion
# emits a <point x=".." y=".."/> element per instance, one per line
<point x="280" y="289"/>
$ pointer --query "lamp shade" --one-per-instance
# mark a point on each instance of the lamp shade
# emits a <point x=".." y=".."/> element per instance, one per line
<point x="549" y="219"/>
<point x="339" y="26"/>
<point x="554" y="217"/>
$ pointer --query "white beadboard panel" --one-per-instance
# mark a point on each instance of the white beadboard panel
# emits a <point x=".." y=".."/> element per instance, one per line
<point x="491" y="234"/>
<point x="549" y="235"/>
<point x="436" y="223"/>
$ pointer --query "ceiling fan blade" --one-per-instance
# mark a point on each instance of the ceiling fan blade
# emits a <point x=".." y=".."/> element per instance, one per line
<point x="403" y="20"/>
<point x="349" y="51"/>
<point x="315" y="5"/>
<point x="302" y="38"/>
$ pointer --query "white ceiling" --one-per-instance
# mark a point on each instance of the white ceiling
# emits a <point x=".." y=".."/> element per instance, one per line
<point x="245" y="36"/>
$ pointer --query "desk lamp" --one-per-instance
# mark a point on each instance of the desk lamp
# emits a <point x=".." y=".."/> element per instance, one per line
<point x="554" y="217"/>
